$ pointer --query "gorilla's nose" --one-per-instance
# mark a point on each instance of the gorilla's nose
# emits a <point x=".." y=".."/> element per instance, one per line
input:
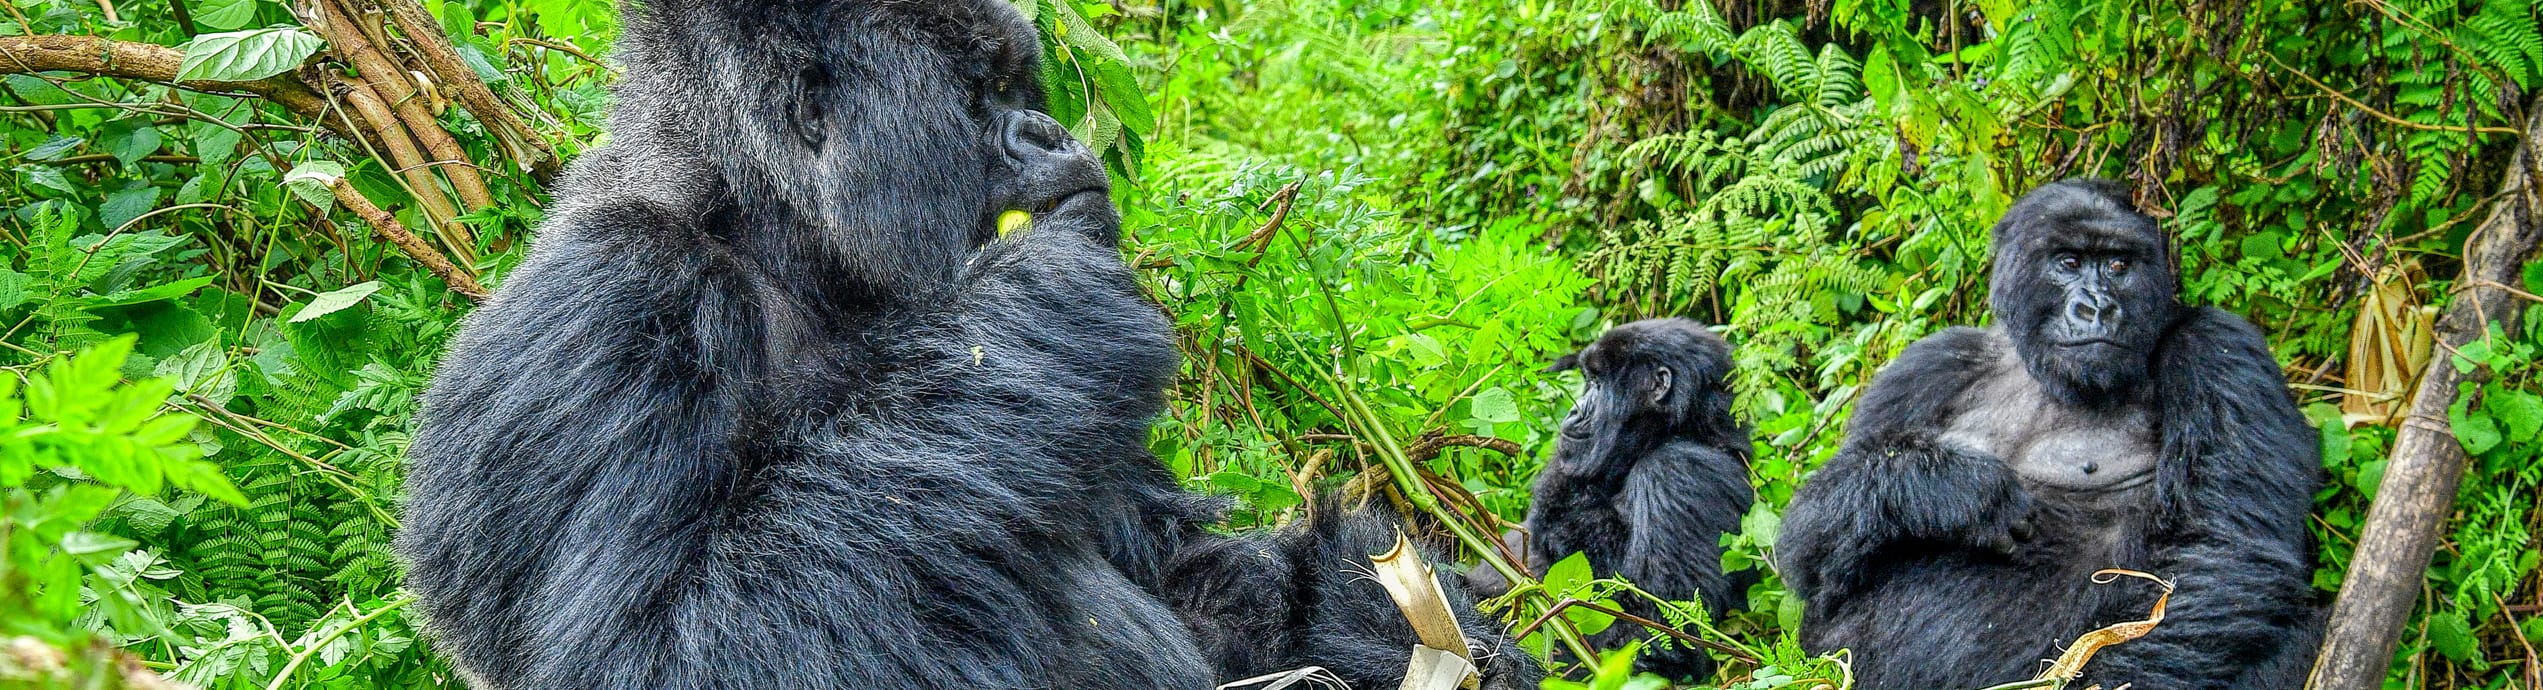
<point x="2092" y="310"/>
<point x="1030" y="135"/>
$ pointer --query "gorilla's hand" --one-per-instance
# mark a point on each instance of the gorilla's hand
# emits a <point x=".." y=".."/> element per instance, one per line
<point x="1893" y="488"/>
<point x="1050" y="174"/>
<point x="1949" y="493"/>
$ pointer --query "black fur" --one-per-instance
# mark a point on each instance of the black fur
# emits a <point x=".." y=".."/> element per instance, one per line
<point x="1279" y="600"/>
<point x="1650" y="472"/>
<point x="769" y="405"/>
<point x="1944" y="565"/>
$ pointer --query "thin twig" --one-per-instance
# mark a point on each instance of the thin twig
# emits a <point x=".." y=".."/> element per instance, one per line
<point x="2381" y="115"/>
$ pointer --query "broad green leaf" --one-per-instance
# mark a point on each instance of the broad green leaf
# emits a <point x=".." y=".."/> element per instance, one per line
<point x="1496" y="405"/>
<point x="48" y="177"/>
<point x="336" y="300"/>
<point x="313" y="181"/>
<point x="94" y="548"/>
<point x="2521" y="411"/>
<point x="1761" y="524"/>
<point x="124" y="206"/>
<point x="2452" y="637"/>
<point x="246" y="55"/>
<point x="128" y="139"/>
<point x="2477" y="431"/>
<point x="1571" y="572"/>
<point x="225" y="15"/>
<point x="54" y="148"/>
<point x="13" y="289"/>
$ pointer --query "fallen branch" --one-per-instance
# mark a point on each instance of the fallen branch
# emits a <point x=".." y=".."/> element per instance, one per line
<point x="386" y="225"/>
<point x="345" y="39"/>
<point x="2427" y="464"/>
<point x="155" y="63"/>
<point x="434" y="49"/>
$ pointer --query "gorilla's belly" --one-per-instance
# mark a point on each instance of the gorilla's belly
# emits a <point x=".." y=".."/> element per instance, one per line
<point x="2010" y="416"/>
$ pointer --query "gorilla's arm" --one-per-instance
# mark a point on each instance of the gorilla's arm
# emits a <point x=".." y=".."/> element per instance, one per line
<point x="1574" y="509"/>
<point x="2238" y="474"/>
<point x="1895" y="481"/>
<point x="1681" y="499"/>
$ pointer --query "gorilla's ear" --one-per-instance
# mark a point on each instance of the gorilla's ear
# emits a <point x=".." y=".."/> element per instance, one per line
<point x="809" y="107"/>
<point x="1564" y="363"/>
<point x="1661" y="378"/>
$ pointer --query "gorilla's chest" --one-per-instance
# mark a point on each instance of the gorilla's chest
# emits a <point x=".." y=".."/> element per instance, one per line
<point x="2009" y="415"/>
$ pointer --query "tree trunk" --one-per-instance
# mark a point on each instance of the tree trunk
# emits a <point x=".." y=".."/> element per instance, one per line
<point x="2427" y="464"/>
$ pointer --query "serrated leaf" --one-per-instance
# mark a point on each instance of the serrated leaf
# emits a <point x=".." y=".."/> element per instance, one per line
<point x="128" y="139"/>
<point x="336" y="300"/>
<point x="246" y="55"/>
<point x="124" y="206"/>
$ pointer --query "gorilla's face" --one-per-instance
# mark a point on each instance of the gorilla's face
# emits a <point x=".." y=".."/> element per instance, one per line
<point x="1642" y="382"/>
<point x="880" y="139"/>
<point x="2084" y="287"/>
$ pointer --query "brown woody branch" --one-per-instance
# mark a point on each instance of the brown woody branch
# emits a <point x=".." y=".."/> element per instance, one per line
<point x="400" y="149"/>
<point x="386" y="225"/>
<point x="433" y="48"/>
<point x="345" y="38"/>
<point x="154" y="63"/>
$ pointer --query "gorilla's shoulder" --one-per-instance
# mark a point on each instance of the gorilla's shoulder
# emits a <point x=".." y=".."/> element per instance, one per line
<point x="1919" y="389"/>
<point x="1958" y="353"/>
<point x="2208" y="342"/>
<point x="2216" y="326"/>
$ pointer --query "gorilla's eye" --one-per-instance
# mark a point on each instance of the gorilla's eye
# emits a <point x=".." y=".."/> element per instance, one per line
<point x="2119" y="266"/>
<point x="2069" y="262"/>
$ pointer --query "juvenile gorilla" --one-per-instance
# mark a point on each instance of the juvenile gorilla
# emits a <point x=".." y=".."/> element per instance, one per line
<point x="2102" y="424"/>
<point x="1650" y="472"/>
<point x="771" y="405"/>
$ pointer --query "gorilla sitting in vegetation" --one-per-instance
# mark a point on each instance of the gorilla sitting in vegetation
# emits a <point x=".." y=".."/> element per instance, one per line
<point x="772" y="405"/>
<point x="1987" y="474"/>
<point x="1651" y="471"/>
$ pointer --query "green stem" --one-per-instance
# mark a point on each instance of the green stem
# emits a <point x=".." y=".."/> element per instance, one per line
<point x="1408" y="480"/>
<point x="321" y="643"/>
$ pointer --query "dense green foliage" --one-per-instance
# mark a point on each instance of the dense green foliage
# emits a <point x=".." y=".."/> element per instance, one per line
<point x="1374" y="222"/>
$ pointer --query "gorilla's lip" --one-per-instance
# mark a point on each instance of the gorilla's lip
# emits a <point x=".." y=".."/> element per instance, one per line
<point x="1071" y="198"/>
<point x="2088" y="342"/>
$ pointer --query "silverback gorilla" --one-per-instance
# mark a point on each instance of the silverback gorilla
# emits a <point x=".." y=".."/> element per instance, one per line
<point x="1650" y="472"/>
<point x="772" y="405"/>
<point x="2101" y="424"/>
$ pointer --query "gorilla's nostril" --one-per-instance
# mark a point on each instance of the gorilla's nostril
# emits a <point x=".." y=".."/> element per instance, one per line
<point x="1029" y="131"/>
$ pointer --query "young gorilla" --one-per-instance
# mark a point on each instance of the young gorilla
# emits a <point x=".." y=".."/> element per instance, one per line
<point x="1651" y="471"/>
<point x="2102" y="424"/>
<point x="770" y="405"/>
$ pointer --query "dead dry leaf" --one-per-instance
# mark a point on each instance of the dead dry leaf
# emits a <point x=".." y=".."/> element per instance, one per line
<point x="2071" y="663"/>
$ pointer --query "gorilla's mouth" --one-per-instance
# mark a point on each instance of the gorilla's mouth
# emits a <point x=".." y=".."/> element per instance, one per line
<point x="2081" y="343"/>
<point x="1076" y="199"/>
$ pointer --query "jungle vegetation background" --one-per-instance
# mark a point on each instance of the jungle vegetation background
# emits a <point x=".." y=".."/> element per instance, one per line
<point x="1375" y="221"/>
